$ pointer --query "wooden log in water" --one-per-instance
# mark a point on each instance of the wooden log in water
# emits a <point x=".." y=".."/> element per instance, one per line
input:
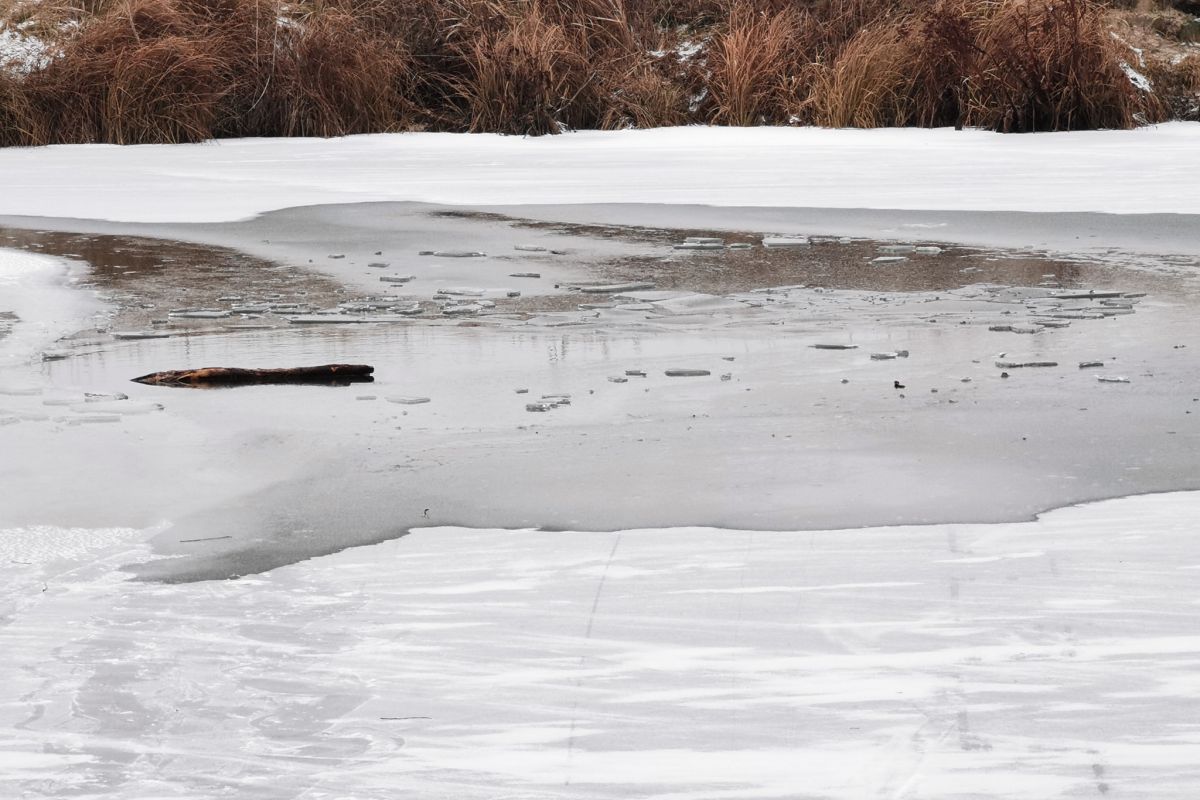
<point x="328" y="374"/>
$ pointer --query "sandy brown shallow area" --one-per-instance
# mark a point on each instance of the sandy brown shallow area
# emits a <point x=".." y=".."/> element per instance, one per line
<point x="781" y="434"/>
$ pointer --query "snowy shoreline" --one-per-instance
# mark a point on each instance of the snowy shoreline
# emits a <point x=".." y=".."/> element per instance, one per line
<point x="1147" y="170"/>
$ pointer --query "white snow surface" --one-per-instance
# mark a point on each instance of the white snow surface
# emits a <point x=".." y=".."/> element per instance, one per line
<point x="1050" y="659"/>
<point x="35" y="289"/>
<point x="1146" y="170"/>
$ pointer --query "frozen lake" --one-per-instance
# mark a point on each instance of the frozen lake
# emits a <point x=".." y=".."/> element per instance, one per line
<point x="861" y="551"/>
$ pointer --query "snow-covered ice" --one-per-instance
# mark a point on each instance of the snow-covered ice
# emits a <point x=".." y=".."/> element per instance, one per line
<point x="1138" y="171"/>
<point x="1049" y="659"/>
<point x="1043" y="659"/>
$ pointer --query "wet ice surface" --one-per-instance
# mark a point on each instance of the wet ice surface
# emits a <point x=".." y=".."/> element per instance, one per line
<point x="388" y="635"/>
<point x="827" y="391"/>
<point x="1047" y="659"/>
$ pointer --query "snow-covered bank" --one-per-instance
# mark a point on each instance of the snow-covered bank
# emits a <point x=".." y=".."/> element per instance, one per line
<point x="1050" y="659"/>
<point x="34" y="288"/>
<point x="1150" y="170"/>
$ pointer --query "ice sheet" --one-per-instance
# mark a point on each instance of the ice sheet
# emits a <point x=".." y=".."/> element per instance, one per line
<point x="1047" y="659"/>
<point x="1139" y="171"/>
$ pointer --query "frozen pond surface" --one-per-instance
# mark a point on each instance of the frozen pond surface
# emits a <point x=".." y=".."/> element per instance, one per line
<point x="686" y="623"/>
<point x="1047" y="659"/>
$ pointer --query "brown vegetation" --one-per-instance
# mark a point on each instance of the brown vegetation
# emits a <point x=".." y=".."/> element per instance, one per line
<point x="133" y="71"/>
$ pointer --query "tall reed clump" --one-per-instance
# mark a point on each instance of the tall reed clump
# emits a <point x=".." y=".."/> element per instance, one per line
<point x="1011" y="65"/>
<point x="540" y="66"/>
<point x="1047" y="65"/>
<point x="131" y="71"/>
<point x="17" y="122"/>
<point x="755" y="74"/>
<point x="135" y="74"/>
<point x="333" y="76"/>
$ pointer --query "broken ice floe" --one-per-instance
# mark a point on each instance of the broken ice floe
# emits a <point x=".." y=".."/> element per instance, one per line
<point x="1112" y="379"/>
<point x="1090" y="294"/>
<point x="687" y="373"/>
<point x="140" y="334"/>
<point x="407" y="401"/>
<point x="609" y="288"/>
<point x="701" y="243"/>
<point x="785" y="241"/>
<point x="1020" y="364"/>
<point x="453" y="253"/>
<point x="524" y="274"/>
<point x="397" y="278"/>
<point x="463" y="309"/>
<point x="826" y="346"/>
<point x="200" y="313"/>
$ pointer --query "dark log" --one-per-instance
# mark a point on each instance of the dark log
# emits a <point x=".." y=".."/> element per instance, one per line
<point x="326" y="374"/>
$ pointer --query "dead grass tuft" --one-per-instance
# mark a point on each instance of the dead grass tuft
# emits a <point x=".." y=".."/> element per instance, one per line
<point x="183" y="70"/>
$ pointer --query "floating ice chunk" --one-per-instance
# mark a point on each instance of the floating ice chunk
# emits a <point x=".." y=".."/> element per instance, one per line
<point x="700" y="246"/>
<point x="1090" y="294"/>
<point x="529" y="248"/>
<point x="824" y="346"/>
<point x="55" y="355"/>
<point x="636" y="373"/>
<point x="740" y="246"/>
<point x="1020" y="364"/>
<point x="687" y="373"/>
<point x="785" y="241"/>
<point x="203" y="313"/>
<point x="407" y="401"/>
<point x="615" y="287"/>
<point x="703" y="240"/>
<point x="895" y="249"/>
<point x="327" y="319"/>
<point x="617" y="379"/>
<point x="888" y="259"/>
<point x="1112" y="379"/>
<point x="1090" y="364"/>
<point x="928" y="251"/>
<point x="337" y="255"/>
<point x="453" y="253"/>
<point x="462" y="310"/>
<point x="463" y="291"/>
<point x="539" y="406"/>
<point x="378" y="264"/>
<point x="524" y="274"/>
<point x="396" y="278"/>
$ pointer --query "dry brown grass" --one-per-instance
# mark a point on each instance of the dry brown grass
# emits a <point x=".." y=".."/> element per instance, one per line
<point x="185" y="70"/>
<point x="1045" y="66"/>
<point x="755" y="72"/>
